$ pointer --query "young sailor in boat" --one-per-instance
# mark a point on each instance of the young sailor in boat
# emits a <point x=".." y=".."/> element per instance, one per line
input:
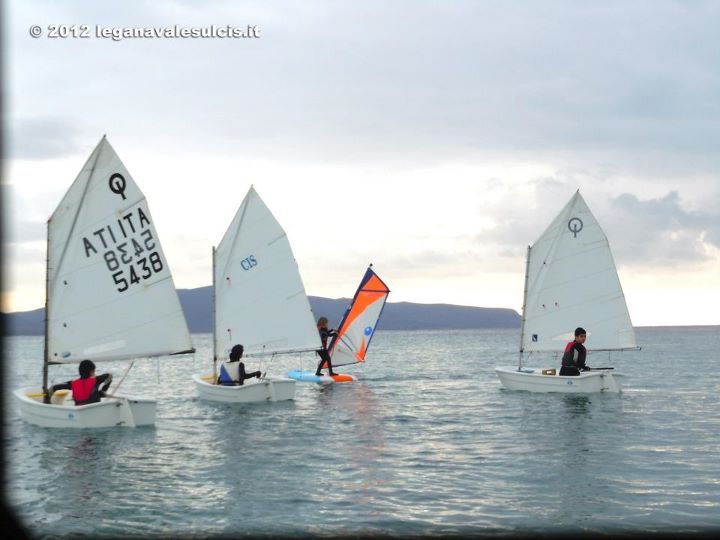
<point x="325" y="333"/>
<point x="573" y="360"/>
<point x="228" y="369"/>
<point x="86" y="389"/>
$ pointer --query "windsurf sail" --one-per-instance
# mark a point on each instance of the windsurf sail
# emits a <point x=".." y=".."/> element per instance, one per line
<point x="260" y="299"/>
<point x="110" y="293"/>
<point x="359" y="322"/>
<point x="571" y="281"/>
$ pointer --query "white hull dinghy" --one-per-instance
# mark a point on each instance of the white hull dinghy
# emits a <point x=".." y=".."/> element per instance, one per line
<point x="259" y="302"/>
<point x="252" y="390"/>
<point x="546" y="380"/>
<point x="109" y="295"/>
<point x="571" y="281"/>
<point x="116" y="411"/>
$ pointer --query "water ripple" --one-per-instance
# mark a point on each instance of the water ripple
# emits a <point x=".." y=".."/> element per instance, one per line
<point x="423" y="443"/>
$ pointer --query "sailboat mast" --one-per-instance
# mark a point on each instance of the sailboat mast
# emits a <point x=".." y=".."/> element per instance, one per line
<point x="522" y="320"/>
<point x="46" y="360"/>
<point x="214" y="317"/>
<point x="46" y="353"/>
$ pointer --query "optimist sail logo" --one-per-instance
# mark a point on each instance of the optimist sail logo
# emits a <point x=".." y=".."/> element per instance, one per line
<point x="118" y="184"/>
<point x="575" y="225"/>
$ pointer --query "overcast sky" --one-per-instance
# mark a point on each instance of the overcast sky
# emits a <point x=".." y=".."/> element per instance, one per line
<point x="434" y="139"/>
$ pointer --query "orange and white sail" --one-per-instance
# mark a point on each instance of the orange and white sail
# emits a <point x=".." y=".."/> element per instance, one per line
<point x="358" y="325"/>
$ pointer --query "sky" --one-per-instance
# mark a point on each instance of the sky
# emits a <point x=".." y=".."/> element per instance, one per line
<point x="435" y="140"/>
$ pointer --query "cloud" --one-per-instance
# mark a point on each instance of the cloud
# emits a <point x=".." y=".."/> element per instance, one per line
<point x="44" y="138"/>
<point x="394" y="83"/>
<point x="471" y="124"/>
<point x="27" y="210"/>
<point x="27" y="231"/>
<point x="660" y="231"/>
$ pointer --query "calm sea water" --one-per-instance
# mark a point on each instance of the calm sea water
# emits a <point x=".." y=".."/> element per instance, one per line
<point x="426" y="442"/>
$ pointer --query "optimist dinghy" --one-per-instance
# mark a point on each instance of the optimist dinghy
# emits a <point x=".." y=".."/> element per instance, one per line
<point x="571" y="281"/>
<point x="355" y="332"/>
<point x="109" y="294"/>
<point x="259" y="301"/>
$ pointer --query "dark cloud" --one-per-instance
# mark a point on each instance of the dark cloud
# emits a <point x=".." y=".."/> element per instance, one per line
<point x="602" y="90"/>
<point x="658" y="231"/>
<point x="26" y="254"/>
<point x="26" y="231"/>
<point x="661" y="231"/>
<point x="396" y="82"/>
<point x="27" y="212"/>
<point x="44" y="138"/>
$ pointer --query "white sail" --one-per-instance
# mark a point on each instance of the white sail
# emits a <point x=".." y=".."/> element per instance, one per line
<point x="110" y="291"/>
<point x="572" y="281"/>
<point x="260" y="299"/>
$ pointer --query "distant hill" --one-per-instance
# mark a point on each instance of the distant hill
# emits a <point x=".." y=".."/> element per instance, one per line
<point x="197" y="305"/>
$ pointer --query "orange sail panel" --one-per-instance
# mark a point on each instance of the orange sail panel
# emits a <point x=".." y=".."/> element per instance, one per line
<point x="358" y="325"/>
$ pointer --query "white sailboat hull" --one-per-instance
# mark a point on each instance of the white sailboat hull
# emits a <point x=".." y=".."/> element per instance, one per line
<point x="532" y="380"/>
<point x="254" y="390"/>
<point x="117" y="411"/>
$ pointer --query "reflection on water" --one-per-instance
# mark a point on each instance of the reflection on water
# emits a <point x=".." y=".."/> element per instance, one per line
<point x="84" y="474"/>
<point x="575" y="404"/>
<point x="365" y="439"/>
<point x="425" y="441"/>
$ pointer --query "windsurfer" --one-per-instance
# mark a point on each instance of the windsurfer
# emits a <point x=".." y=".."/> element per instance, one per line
<point x="325" y="333"/>
<point x="573" y="360"/>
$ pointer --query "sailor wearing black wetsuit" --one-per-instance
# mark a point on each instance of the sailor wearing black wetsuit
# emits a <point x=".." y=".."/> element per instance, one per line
<point x="573" y="359"/>
<point x="325" y="360"/>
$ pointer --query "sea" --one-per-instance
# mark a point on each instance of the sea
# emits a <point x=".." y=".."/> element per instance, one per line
<point x="426" y="442"/>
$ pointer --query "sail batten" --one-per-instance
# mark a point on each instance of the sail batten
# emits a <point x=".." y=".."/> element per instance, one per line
<point x="260" y="299"/>
<point x="571" y="281"/>
<point x="123" y="356"/>
<point x="107" y="273"/>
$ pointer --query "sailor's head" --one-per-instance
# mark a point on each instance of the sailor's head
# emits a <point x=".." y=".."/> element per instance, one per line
<point x="322" y="322"/>
<point x="86" y="369"/>
<point x="580" y="334"/>
<point x="236" y="353"/>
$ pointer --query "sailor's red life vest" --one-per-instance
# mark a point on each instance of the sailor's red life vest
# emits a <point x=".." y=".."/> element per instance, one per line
<point x="568" y="358"/>
<point x="82" y="390"/>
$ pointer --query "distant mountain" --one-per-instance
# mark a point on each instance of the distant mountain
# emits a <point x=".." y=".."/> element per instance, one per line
<point x="197" y="305"/>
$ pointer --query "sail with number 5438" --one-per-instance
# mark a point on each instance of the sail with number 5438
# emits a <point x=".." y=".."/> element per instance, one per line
<point x="109" y="292"/>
